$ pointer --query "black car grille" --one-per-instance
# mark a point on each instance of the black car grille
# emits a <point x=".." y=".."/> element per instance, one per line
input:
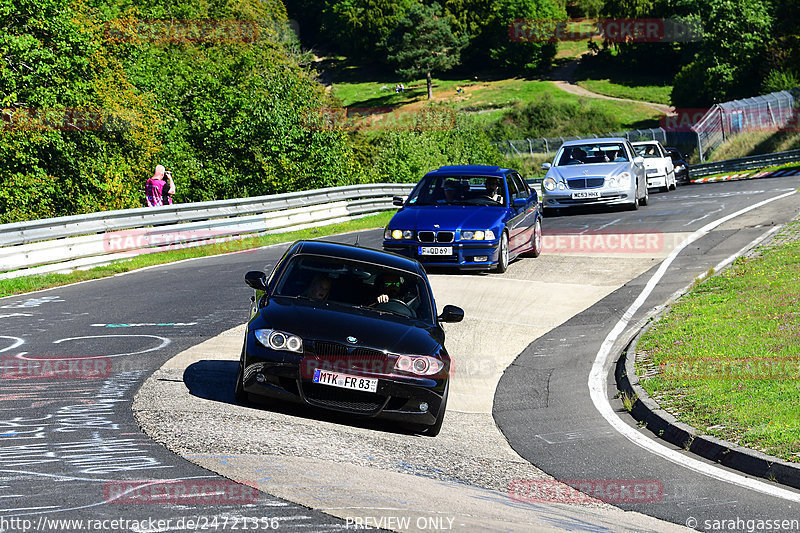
<point x="343" y="399"/>
<point x="340" y="357"/>
<point x="585" y="183"/>
<point x="436" y="236"/>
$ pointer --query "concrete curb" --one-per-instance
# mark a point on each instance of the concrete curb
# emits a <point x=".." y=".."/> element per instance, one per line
<point x="748" y="175"/>
<point x="667" y="427"/>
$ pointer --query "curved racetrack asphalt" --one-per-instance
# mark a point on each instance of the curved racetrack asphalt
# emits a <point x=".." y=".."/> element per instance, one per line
<point x="520" y="412"/>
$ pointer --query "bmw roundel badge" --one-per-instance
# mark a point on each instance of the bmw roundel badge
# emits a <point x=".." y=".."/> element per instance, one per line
<point x="352" y="339"/>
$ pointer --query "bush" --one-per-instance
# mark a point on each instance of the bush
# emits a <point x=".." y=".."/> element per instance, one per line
<point x="548" y="118"/>
<point x="405" y="156"/>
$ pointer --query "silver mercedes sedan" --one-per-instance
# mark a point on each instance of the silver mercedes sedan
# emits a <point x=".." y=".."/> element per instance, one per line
<point x="594" y="172"/>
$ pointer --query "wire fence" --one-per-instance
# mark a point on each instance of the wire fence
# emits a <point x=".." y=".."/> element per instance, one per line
<point x="769" y="112"/>
<point x="552" y="144"/>
<point x="703" y="130"/>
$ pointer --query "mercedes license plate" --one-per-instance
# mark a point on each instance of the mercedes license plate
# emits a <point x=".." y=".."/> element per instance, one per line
<point x="586" y="194"/>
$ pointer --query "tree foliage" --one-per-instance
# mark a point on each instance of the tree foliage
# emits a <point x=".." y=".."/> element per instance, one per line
<point x="423" y="43"/>
<point x="728" y="62"/>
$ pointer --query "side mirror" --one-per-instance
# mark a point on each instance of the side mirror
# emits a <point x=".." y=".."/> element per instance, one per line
<point x="638" y="160"/>
<point x="546" y="166"/>
<point x="451" y="313"/>
<point x="256" y="279"/>
<point x="520" y="202"/>
<point x="398" y="201"/>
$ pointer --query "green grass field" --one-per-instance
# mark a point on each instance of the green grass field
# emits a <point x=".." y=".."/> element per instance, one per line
<point x="621" y="82"/>
<point x="486" y="100"/>
<point x="725" y="358"/>
<point x="44" y="281"/>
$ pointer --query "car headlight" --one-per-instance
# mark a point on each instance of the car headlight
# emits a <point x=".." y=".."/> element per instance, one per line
<point x="678" y="168"/>
<point x="478" y="235"/>
<point x="397" y="234"/>
<point x="549" y="184"/>
<point x="421" y="365"/>
<point x="624" y="179"/>
<point x="279" y="340"/>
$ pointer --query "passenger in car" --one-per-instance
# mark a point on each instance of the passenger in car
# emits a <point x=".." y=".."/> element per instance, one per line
<point x="319" y="289"/>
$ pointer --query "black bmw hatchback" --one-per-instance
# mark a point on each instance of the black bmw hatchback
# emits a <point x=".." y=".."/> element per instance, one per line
<point x="349" y="329"/>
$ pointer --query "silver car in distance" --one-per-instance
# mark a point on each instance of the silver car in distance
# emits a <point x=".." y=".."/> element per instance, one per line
<point x="594" y="172"/>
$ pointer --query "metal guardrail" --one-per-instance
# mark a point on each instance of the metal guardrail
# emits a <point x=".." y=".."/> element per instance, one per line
<point x="752" y="162"/>
<point x="82" y="241"/>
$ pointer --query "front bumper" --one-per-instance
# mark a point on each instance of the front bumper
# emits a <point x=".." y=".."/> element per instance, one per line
<point x="464" y="254"/>
<point x="285" y="376"/>
<point x="556" y="199"/>
<point x="656" y="180"/>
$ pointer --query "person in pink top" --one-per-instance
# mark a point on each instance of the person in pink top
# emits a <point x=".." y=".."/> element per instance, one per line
<point x="156" y="190"/>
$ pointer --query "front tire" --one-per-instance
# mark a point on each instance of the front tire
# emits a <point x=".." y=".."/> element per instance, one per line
<point x="635" y="205"/>
<point x="502" y="256"/>
<point x="536" y="240"/>
<point x="239" y="393"/>
<point x="433" y="430"/>
<point x="646" y="198"/>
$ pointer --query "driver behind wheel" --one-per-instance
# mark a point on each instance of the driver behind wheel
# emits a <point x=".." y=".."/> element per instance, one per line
<point x="492" y="185"/>
<point x="390" y="286"/>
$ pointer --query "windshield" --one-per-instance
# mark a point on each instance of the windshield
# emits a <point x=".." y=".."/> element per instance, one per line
<point x="647" y="150"/>
<point x="589" y="153"/>
<point x="356" y="284"/>
<point x="460" y="190"/>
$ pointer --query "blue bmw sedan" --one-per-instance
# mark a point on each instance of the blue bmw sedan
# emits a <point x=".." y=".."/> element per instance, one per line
<point x="467" y="216"/>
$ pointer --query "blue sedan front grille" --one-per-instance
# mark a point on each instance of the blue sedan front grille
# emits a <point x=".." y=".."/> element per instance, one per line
<point x="436" y="236"/>
<point x="585" y="183"/>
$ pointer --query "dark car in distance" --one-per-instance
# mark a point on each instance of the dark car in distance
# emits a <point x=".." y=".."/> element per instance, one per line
<point x="348" y="329"/>
<point x="681" y="166"/>
<point x="473" y="217"/>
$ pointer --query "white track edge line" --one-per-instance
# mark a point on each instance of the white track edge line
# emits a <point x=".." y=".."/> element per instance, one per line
<point x="598" y="391"/>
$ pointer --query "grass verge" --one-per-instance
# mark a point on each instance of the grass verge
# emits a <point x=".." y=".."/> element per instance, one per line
<point x="725" y="358"/>
<point x="612" y="78"/>
<point x="756" y="143"/>
<point x="25" y="284"/>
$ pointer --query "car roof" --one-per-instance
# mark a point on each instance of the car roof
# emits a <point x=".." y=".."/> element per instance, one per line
<point x="639" y="143"/>
<point x="357" y="253"/>
<point x="470" y="170"/>
<point x="594" y="141"/>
